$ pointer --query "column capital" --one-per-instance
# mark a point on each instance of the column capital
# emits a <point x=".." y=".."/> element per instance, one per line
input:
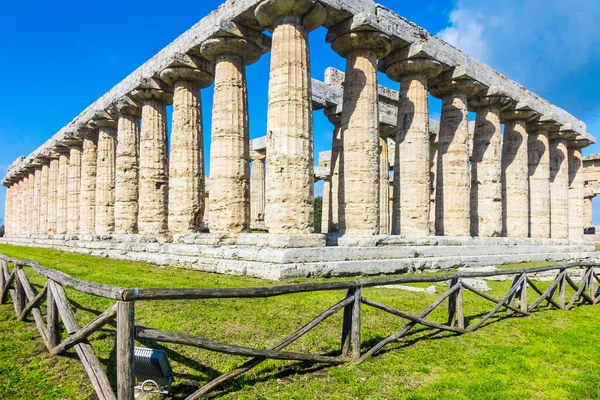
<point x="191" y="68"/>
<point x="563" y="134"/>
<point x="512" y="114"/>
<point x="468" y="87"/>
<point x="126" y="106"/>
<point x="348" y="42"/>
<point x="212" y="49"/>
<point x="543" y="125"/>
<point x="153" y="90"/>
<point x="72" y="141"/>
<point x="492" y="97"/>
<point x="396" y="68"/>
<point x="256" y="156"/>
<point x="107" y="123"/>
<point x="334" y="114"/>
<point x="309" y="13"/>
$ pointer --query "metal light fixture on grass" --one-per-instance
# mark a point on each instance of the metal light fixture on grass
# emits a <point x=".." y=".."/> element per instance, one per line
<point x="152" y="367"/>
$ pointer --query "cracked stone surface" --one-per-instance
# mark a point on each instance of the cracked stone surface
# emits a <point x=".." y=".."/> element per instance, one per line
<point x="575" y="193"/>
<point x="62" y="192"/>
<point x="559" y="189"/>
<point x="105" y="181"/>
<point x="74" y="190"/>
<point x="87" y="200"/>
<point x="52" y="194"/>
<point x="44" y="200"/>
<point x="539" y="185"/>
<point x="126" y="177"/>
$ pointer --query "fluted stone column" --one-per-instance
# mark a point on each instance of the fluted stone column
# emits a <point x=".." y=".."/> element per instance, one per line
<point x="486" y="164"/>
<point x="515" y="174"/>
<point x="62" y="191"/>
<point x="154" y="166"/>
<point x="359" y="208"/>
<point x="538" y="146"/>
<point x="289" y="173"/>
<point x="230" y="141"/>
<point x="411" y="204"/>
<point x="37" y="185"/>
<point x="127" y="168"/>
<point x="587" y="211"/>
<point x="87" y="199"/>
<point x="74" y="188"/>
<point x="257" y="191"/>
<point x="384" y="188"/>
<point x="53" y="192"/>
<point x="575" y="192"/>
<point x="8" y="210"/>
<point x="453" y="180"/>
<point x="186" y="163"/>
<point x="559" y="188"/>
<point x="335" y="118"/>
<point x="325" y="205"/>
<point x="30" y="205"/>
<point x="16" y="209"/>
<point x="105" y="177"/>
<point x="44" y="198"/>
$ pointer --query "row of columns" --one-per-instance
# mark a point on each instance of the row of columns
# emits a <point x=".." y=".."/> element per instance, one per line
<point x="120" y="178"/>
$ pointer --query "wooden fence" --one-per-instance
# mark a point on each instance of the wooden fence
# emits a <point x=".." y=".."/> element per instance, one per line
<point x="27" y="301"/>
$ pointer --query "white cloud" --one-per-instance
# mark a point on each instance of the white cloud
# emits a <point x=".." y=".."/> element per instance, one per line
<point x="550" y="46"/>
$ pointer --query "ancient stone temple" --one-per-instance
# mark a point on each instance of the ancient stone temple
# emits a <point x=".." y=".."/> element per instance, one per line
<point x="401" y="191"/>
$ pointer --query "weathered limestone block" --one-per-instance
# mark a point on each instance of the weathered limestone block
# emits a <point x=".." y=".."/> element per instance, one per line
<point x="8" y="210"/>
<point x="28" y="205"/>
<point x="559" y="188"/>
<point x="37" y="184"/>
<point x="515" y="173"/>
<point x="384" y="188"/>
<point x="74" y="188"/>
<point x="587" y="212"/>
<point x="186" y="163"/>
<point x="289" y="175"/>
<point x="433" y="147"/>
<point x="127" y="167"/>
<point x="575" y="192"/>
<point x="153" y="174"/>
<point x="52" y="193"/>
<point x="358" y="192"/>
<point x="539" y="179"/>
<point x="62" y="191"/>
<point x="87" y="200"/>
<point x="257" y="191"/>
<point x="486" y="166"/>
<point x="105" y="177"/>
<point x="336" y="148"/>
<point x="325" y="205"/>
<point x="230" y="142"/>
<point x="44" y="199"/>
<point x="453" y="180"/>
<point x="412" y="181"/>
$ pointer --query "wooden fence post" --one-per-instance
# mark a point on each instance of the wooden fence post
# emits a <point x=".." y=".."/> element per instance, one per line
<point x="561" y="291"/>
<point x="125" y="344"/>
<point x="3" y="266"/>
<point x="592" y="290"/>
<point x="356" y="325"/>
<point x="52" y="318"/>
<point x="347" y="324"/>
<point x="460" y="313"/>
<point x="452" y="304"/>
<point x="524" y="293"/>
<point x="20" y="298"/>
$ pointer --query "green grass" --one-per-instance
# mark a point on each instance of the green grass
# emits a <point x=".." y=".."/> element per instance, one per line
<point x="550" y="355"/>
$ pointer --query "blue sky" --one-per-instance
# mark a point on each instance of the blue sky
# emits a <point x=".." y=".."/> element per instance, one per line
<point x="58" y="57"/>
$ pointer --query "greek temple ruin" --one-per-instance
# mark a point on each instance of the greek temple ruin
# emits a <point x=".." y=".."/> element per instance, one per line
<point x="401" y="191"/>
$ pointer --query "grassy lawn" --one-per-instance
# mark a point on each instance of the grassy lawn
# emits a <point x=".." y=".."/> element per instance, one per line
<point x="550" y="355"/>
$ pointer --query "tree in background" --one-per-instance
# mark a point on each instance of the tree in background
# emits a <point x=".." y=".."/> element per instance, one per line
<point x="318" y="213"/>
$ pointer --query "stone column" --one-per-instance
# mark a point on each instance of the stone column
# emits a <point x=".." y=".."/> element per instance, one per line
<point x="411" y="203"/>
<point x="105" y="177"/>
<point x="53" y="192"/>
<point x="44" y="198"/>
<point x="127" y="167"/>
<point x="289" y="172"/>
<point x="257" y="191"/>
<point x="358" y="196"/>
<point x="384" y="188"/>
<point x="30" y="205"/>
<point x="154" y="166"/>
<point x="559" y="188"/>
<point x="8" y="210"/>
<point x="230" y="142"/>
<point x="486" y="172"/>
<point x="515" y="174"/>
<point x="74" y="188"/>
<point x="62" y="191"/>
<point x="453" y="180"/>
<point x="575" y="191"/>
<point x="326" y="205"/>
<point x="37" y="185"/>
<point x="587" y="211"/>
<point x="538" y="147"/>
<point x="87" y="199"/>
<point x="186" y="165"/>
<point x="335" y="117"/>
